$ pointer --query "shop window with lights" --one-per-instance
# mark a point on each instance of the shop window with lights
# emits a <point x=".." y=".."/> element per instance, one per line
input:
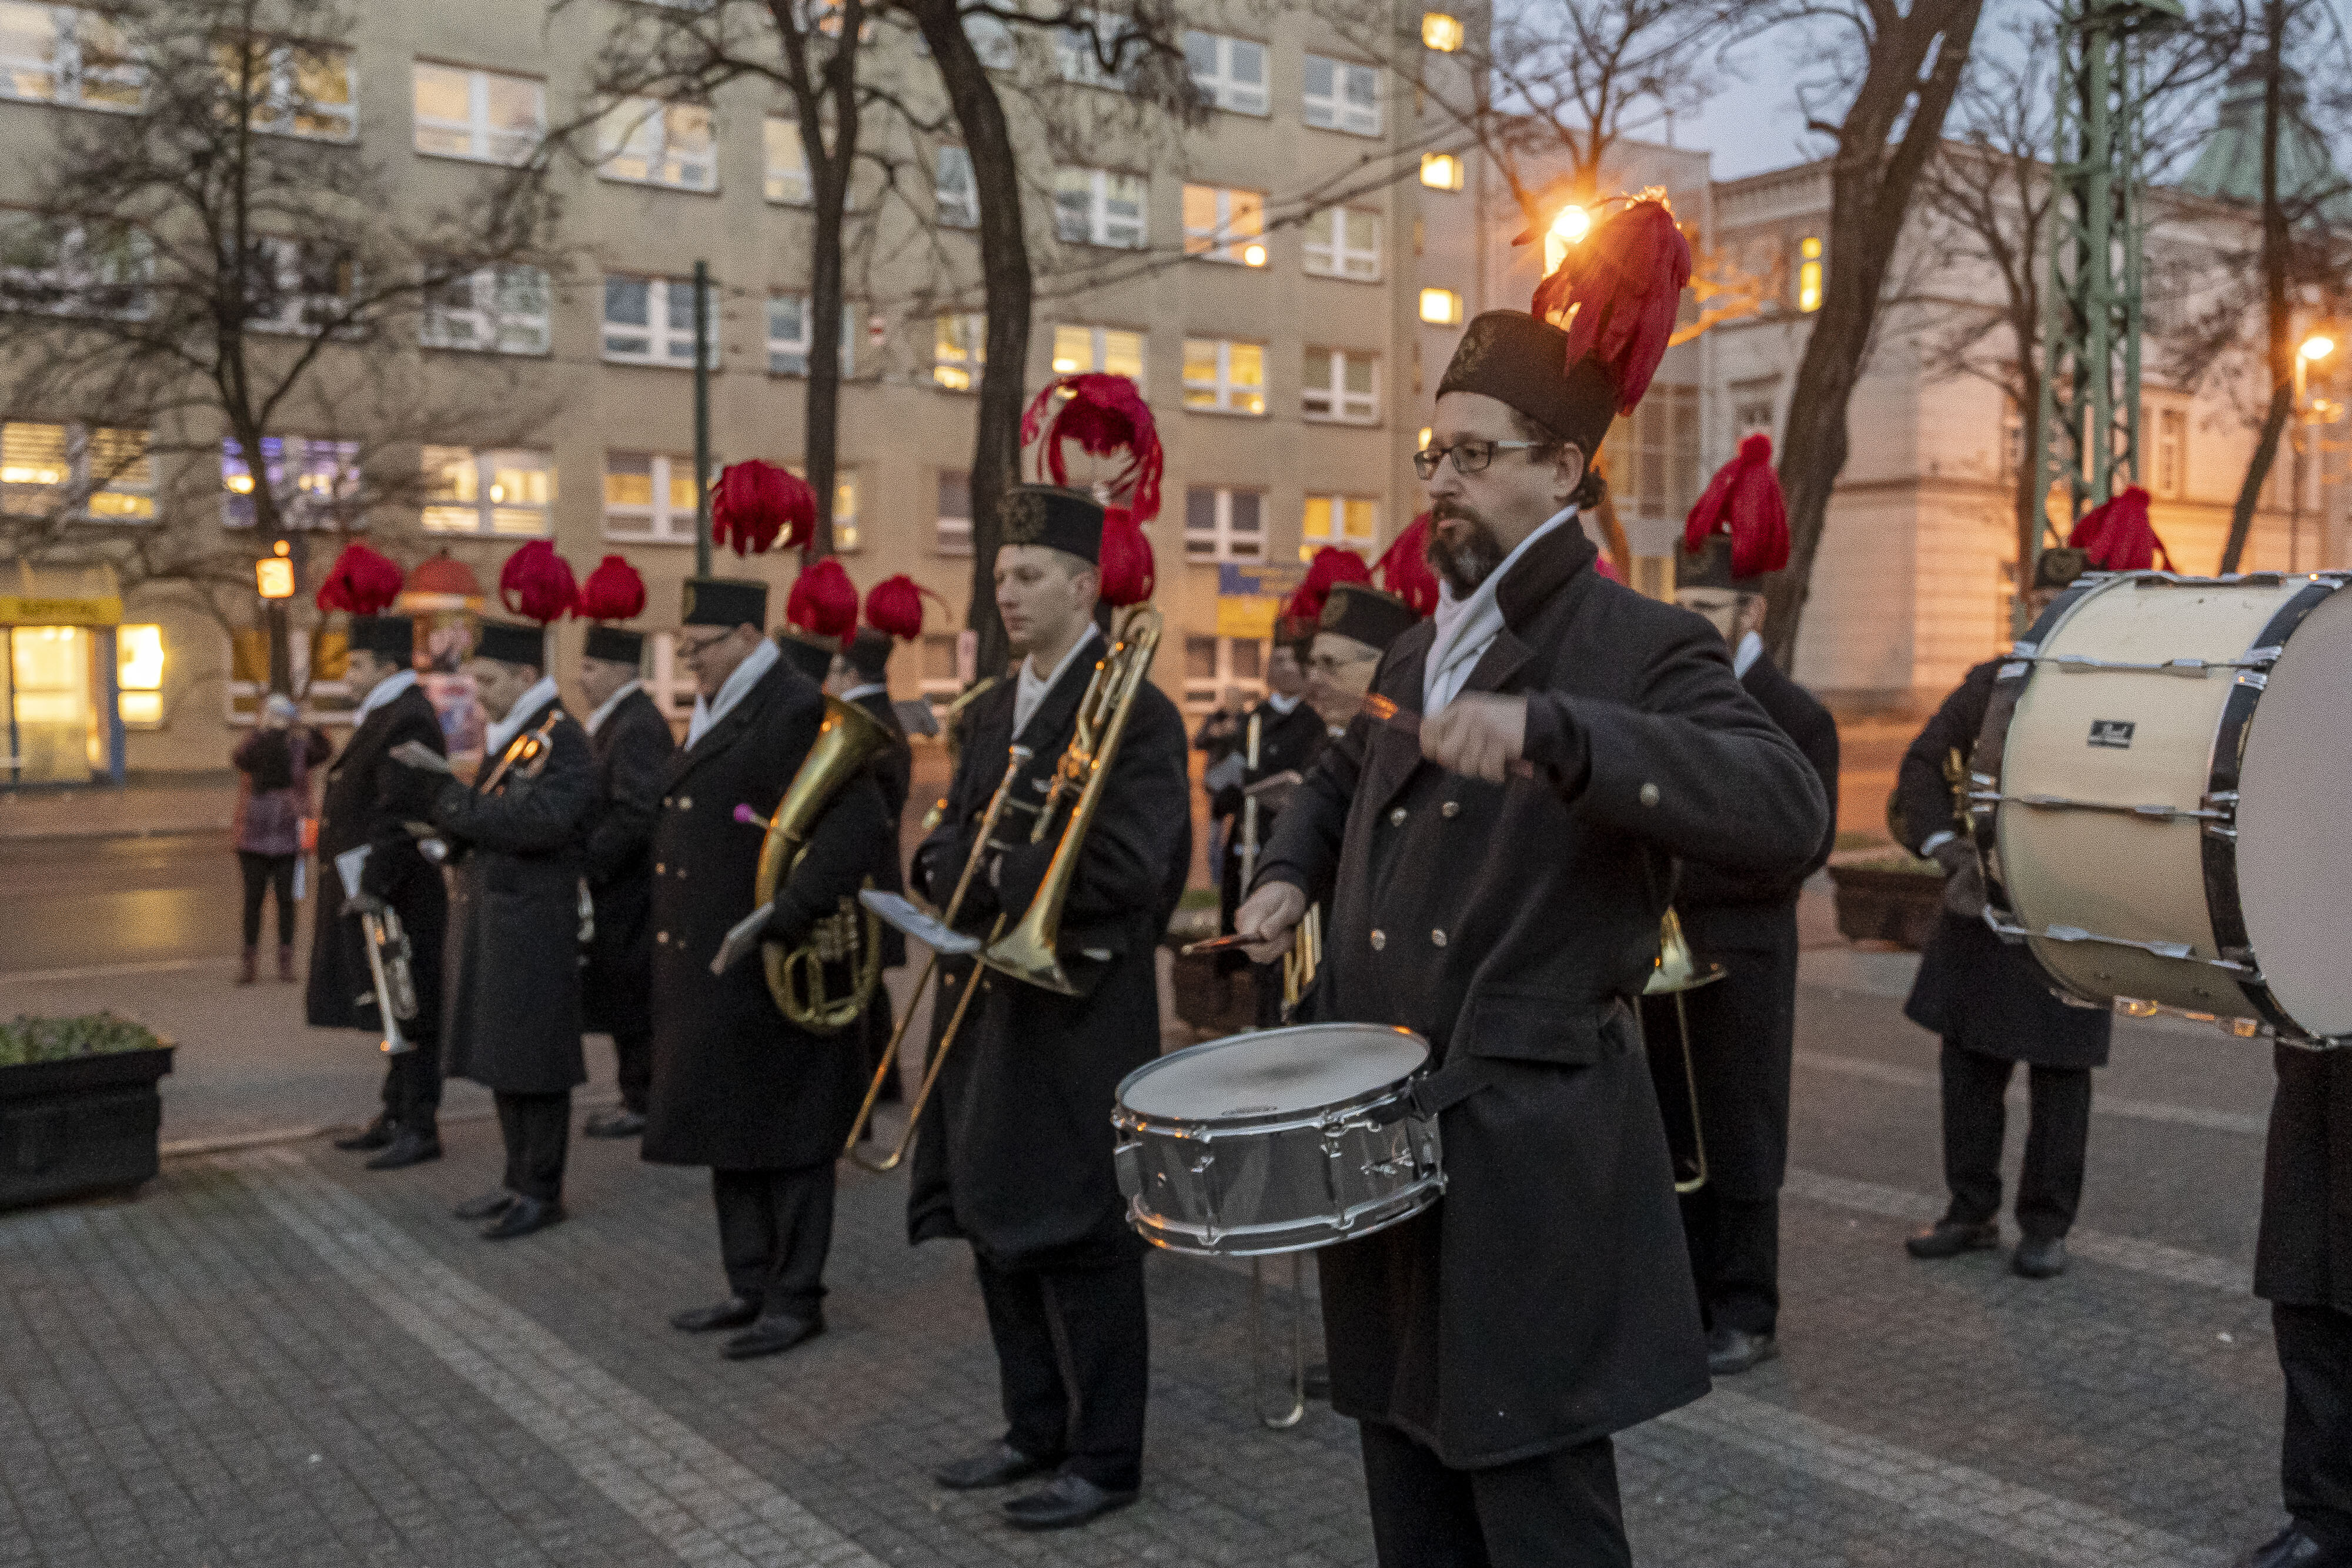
<point x="1343" y="242"/>
<point x="1442" y="170"/>
<point x="139" y="675"/>
<point x="1341" y="95"/>
<point x="1351" y="522"/>
<point x="788" y="335"/>
<point x="650" y="321"/>
<point x="1230" y="72"/>
<point x="66" y="55"/>
<point x="1222" y="376"/>
<point x="504" y="492"/>
<point x="314" y="481"/>
<point x="649" y="497"/>
<point x="1113" y="350"/>
<point x="644" y="142"/>
<point x="1222" y="524"/>
<point x="1224" y="224"/>
<point x="488" y="117"/>
<point x="959" y="350"/>
<point x="1099" y="206"/>
<point x="1342" y="385"/>
<point x="74" y="470"/>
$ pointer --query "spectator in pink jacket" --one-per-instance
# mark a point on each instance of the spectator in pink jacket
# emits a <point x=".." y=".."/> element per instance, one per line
<point x="273" y="795"/>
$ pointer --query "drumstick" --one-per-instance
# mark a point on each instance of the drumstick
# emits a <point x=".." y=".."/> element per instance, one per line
<point x="1383" y="711"/>
<point x="1215" y="944"/>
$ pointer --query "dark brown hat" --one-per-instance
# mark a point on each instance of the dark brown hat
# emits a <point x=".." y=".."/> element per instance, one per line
<point x="615" y="646"/>
<point x="389" y="637"/>
<point x="512" y="643"/>
<point x="725" y="602"/>
<point x="870" y="652"/>
<point x="1510" y="356"/>
<point x="1067" y="520"/>
<point x="1364" y="613"/>
<point x="806" y="655"/>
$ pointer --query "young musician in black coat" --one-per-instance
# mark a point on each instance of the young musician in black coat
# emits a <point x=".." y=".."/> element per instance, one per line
<point x="514" y="835"/>
<point x="736" y="1086"/>
<point x="1016" y="1156"/>
<point x="632" y="746"/>
<point x="1290" y="734"/>
<point x="1491" y="1344"/>
<point x="368" y="799"/>
<point x="861" y="674"/>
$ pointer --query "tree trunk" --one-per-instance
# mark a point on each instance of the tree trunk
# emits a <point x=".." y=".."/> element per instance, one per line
<point x="830" y="173"/>
<point x="1008" y="283"/>
<point x="2278" y="321"/>
<point x="1872" y="178"/>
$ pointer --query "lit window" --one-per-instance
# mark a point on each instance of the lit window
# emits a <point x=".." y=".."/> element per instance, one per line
<point x="1223" y="525"/>
<point x="55" y="54"/>
<point x="75" y="268"/>
<point x="139" y="675"/>
<point x="845" y="506"/>
<point x="484" y="115"/>
<point x="1651" y="456"/>
<point x="788" y="335"/>
<point x="955" y="190"/>
<point x="69" y="470"/>
<point x="959" y="347"/>
<point x="952" y="535"/>
<point x="1441" y="171"/>
<point x="1344" y="242"/>
<point x="1809" y="275"/>
<point x="1441" y="307"/>
<point x="650" y="497"/>
<point x="315" y="482"/>
<point x="1110" y="350"/>
<point x="1341" y="95"/>
<point x="788" y="175"/>
<point x="1342" y="385"/>
<point x="492" y="309"/>
<point x="1352" y="522"/>
<point x="650" y="321"/>
<point x="1440" y="32"/>
<point x="1230" y="72"/>
<point x="471" y="492"/>
<point x="1224" y="224"/>
<point x="1096" y="207"/>
<point x="1224" y="377"/>
<point x="641" y="141"/>
<point x="293" y="89"/>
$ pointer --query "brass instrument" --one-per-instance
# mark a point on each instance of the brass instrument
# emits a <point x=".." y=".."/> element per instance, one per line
<point x="847" y="741"/>
<point x="1676" y="972"/>
<point x="1027" y="952"/>
<point x="389" y="966"/>
<point x="1305" y="957"/>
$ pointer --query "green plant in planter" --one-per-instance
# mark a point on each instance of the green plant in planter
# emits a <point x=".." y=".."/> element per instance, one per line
<point x="32" y="1040"/>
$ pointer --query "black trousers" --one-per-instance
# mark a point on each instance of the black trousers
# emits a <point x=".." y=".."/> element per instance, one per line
<point x="2050" y="1188"/>
<point x="2314" y="1351"/>
<point x="537" y="1130"/>
<point x="264" y="874"/>
<point x="1554" y="1511"/>
<point x="1734" y="1252"/>
<point x="775" y="1227"/>
<point x="1073" y="1357"/>
<point x="412" y="1084"/>
<point x="633" y="1050"/>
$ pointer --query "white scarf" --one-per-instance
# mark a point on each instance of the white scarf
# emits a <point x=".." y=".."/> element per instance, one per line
<point x="745" y="675"/>
<point x="385" y="690"/>
<point x="1280" y="704"/>
<point x="1750" y="648"/>
<point x="1467" y="627"/>
<point x="1029" y="691"/>
<point x="501" y="734"/>
<point x="604" y="709"/>
<point x="869" y="688"/>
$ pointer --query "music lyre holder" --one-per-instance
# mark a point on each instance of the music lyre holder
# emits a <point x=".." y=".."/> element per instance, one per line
<point x="893" y="910"/>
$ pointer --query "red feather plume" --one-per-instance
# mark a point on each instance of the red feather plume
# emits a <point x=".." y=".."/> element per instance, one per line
<point x="536" y="583"/>
<point x="824" y="601"/>
<point x="361" y="582"/>
<point x="757" y="502"/>
<point x="1104" y="413"/>
<point x="1743" y="502"/>
<point x="2117" y="535"/>
<point x="1330" y="567"/>
<point x="1404" y="567"/>
<point x="613" y="591"/>
<point x="895" y="606"/>
<point x="1128" y="572"/>
<point x="1616" y="294"/>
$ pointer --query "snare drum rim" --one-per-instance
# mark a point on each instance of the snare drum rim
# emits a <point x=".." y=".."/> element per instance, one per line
<point x="1206" y="1127"/>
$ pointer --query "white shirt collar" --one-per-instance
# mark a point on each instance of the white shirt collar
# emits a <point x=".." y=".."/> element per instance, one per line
<point x="1029" y="689"/>
<point x="501" y="735"/>
<point x="869" y="689"/>
<point x="1467" y="627"/>
<point x="1282" y="704"/>
<point x="604" y="709"/>
<point x="385" y="690"/>
<point x="1752" y="647"/>
<point x="706" y="712"/>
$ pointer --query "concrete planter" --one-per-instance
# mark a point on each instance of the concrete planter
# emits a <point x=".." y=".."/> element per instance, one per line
<point x="79" y="1125"/>
<point x="1887" y="903"/>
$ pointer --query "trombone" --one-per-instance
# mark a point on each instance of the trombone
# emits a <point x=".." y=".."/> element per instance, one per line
<point x="1674" y="972"/>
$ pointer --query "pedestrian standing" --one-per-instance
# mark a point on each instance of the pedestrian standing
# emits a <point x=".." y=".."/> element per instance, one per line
<point x="273" y="796"/>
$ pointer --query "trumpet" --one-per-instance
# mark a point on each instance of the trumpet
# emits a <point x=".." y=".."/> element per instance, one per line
<point x="390" y="966"/>
<point x="1305" y="957"/>
<point x="846" y="741"/>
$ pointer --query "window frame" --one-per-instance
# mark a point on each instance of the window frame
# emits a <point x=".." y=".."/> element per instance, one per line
<point x="483" y="137"/>
<point x="300" y="306"/>
<point x="966" y="358"/>
<point x="788" y="184"/>
<point x="485" y="506"/>
<point x="1337" y="504"/>
<point x="1345" y="407"/>
<point x="1223" y="89"/>
<point x="789" y="347"/>
<point x="950" y="533"/>
<point x="1224" y="387"/>
<point x="78" y="286"/>
<point x="1219" y="541"/>
<point x="69" y="68"/>
<point x="294" y="473"/>
<point x="663" y="522"/>
<point x="1099" y="196"/>
<point x="1201" y="695"/>
<point x="1098" y="347"/>
<point x="488" y="317"/>
<point x="1225" y="242"/>
<point x="659" y="328"/>
<point x="1335" y="106"/>
<point x="78" y="487"/>
<point x="1077" y="62"/>
<point x="284" y="96"/>
<point x="961" y="211"/>
<point x="658" y="111"/>
<point x="1332" y="257"/>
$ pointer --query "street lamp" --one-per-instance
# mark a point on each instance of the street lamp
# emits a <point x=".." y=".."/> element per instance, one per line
<point x="1568" y="227"/>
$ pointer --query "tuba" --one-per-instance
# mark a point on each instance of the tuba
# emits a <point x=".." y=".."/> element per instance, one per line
<point x="847" y="740"/>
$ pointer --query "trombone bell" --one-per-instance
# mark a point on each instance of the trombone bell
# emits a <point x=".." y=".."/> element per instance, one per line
<point x="1676" y="969"/>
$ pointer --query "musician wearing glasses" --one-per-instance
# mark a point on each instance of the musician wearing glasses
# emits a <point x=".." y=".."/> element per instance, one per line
<point x="736" y="1086"/>
<point x="1016" y="1157"/>
<point x="1497" y="884"/>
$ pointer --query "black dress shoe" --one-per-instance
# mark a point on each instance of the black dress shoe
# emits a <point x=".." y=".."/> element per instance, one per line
<point x="773" y="1336"/>
<point x="2291" y="1548"/>
<point x="618" y="1124"/>
<point x="734" y="1312"/>
<point x="1000" y="1464"/>
<point x="376" y="1135"/>
<point x="523" y="1216"/>
<point x="1950" y="1238"/>
<point x="408" y="1147"/>
<point x="2039" y="1257"/>
<point x="1730" y="1350"/>
<point x="1068" y="1501"/>
<point x="485" y="1206"/>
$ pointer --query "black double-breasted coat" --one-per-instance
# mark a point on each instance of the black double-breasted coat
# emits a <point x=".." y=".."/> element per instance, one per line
<point x="1016" y="1154"/>
<point x="632" y="747"/>
<point x="515" y="835"/>
<point x="367" y="800"/>
<point x="735" y="1084"/>
<point x="1546" y="1300"/>
<point x="1743" y="1025"/>
<point x="894" y="770"/>
<point x="1980" y="993"/>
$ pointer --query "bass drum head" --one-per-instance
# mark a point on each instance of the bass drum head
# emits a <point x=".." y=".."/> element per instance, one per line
<point x="1273" y="1073"/>
<point x="2294" y="822"/>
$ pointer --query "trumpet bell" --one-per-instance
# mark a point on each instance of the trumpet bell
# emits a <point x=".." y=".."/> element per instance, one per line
<point x="1676" y="969"/>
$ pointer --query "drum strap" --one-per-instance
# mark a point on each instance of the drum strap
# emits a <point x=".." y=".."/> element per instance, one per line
<point x="1432" y="1094"/>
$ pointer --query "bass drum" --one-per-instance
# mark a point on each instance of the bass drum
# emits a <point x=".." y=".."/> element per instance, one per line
<point x="2161" y="792"/>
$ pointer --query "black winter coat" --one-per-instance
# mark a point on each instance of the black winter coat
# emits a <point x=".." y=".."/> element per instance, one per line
<point x="367" y="798"/>
<point x="1291" y="740"/>
<point x="1546" y="1300"/>
<point x="1979" y="992"/>
<point x="1016" y="1156"/>
<point x="512" y="1021"/>
<point x="735" y="1085"/>
<point x="894" y="770"/>
<point x="632" y="747"/>
<point x="2304" y="1256"/>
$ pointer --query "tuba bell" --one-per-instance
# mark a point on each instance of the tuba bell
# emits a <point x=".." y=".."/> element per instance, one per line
<point x="848" y="739"/>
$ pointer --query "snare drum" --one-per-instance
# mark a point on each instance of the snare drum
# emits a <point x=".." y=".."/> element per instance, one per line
<point x="1277" y="1141"/>
<point x="2165" y="784"/>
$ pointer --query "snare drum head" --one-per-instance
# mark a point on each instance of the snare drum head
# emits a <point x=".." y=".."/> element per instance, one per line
<point x="1279" y="1071"/>
<point x="2294" y="822"/>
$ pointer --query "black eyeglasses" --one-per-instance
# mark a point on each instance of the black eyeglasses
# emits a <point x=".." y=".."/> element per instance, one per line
<point x="1469" y="456"/>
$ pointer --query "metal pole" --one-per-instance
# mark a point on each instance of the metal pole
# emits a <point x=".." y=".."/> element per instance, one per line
<point x="702" y="419"/>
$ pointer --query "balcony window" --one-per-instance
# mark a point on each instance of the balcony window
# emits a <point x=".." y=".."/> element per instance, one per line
<point x="1224" y="377"/>
<point x="640" y="141"/>
<point x="498" y="309"/>
<point x="1224" y="224"/>
<point x="499" y="493"/>
<point x="1222" y="524"/>
<point x="1342" y="385"/>
<point x="1351" y="522"/>
<point x="959" y="350"/>
<point x="650" y="321"/>
<point x="315" y="482"/>
<point x="1230" y="72"/>
<point x="788" y="336"/>
<point x="1341" y="95"/>
<point x="487" y="116"/>
<point x="1343" y="242"/>
<point x="1096" y="207"/>
<point x="1111" y="349"/>
<point x="57" y="54"/>
<point x="76" y="470"/>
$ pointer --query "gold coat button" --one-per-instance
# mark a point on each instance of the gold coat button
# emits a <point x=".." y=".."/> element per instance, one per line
<point x="1649" y="794"/>
<point x="1437" y="938"/>
<point x="1380" y="940"/>
<point x="1396" y="817"/>
<point x="1451" y="808"/>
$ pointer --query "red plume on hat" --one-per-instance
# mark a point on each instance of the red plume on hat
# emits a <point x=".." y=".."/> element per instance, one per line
<point x="824" y="601"/>
<point x="361" y="582"/>
<point x="895" y="606"/>
<point x="1617" y="291"/>
<point x="755" y="502"/>
<point x="1128" y="572"/>
<point x="613" y="591"/>
<point x="1743" y="502"/>
<point x="536" y="583"/>
<point x="1330" y="567"/>
<point x="2117" y="535"/>
<point x="1404" y="567"/>
<point x="1103" y="414"/>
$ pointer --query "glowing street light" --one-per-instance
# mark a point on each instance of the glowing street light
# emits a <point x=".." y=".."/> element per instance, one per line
<point x="1568" y="227"/>
<point x="2318" y="346"/>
